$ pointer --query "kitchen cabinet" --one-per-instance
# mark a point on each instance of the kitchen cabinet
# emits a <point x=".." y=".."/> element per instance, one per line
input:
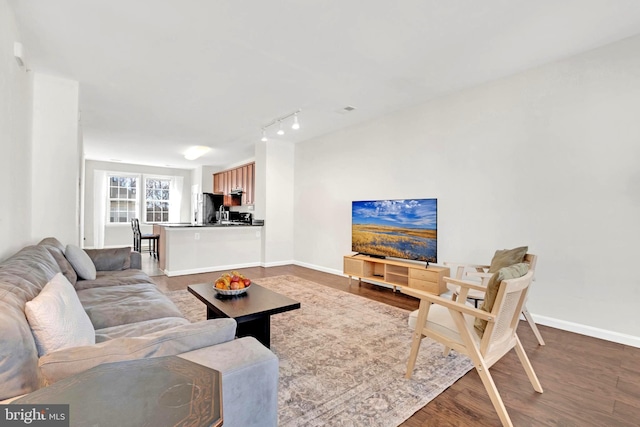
<point x="217" y="183"/>
<point x="241" y="177"/>
<point x="248" y="184"/>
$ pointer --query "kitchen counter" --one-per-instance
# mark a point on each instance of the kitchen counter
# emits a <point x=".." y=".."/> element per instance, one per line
<point x="186" y="248"/>
<point x="229" y="224"/>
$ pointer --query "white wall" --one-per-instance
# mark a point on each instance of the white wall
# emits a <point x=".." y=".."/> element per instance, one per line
<point x="207" y="178"/>
<point x="40" y="150"/>
<point x="121" y="234"/>
<point x="274" y="200"/>
<point x="15" y="141"/>
<point x="547" y="158"/>
<point x="55" y="154"/>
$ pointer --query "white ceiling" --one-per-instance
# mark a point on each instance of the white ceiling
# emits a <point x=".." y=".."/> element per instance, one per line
<point x="158" y="76"/>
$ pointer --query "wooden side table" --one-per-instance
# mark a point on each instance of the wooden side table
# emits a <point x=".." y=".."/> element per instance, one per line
<point x="162" y="391"/>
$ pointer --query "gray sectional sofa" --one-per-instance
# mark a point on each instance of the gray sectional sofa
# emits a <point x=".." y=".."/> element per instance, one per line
<point x="132" y="320"/>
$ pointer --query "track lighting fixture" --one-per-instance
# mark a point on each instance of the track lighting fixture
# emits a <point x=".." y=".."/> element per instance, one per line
<point x="279" y="120"/>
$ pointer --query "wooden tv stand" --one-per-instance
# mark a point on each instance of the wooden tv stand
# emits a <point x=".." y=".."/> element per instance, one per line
<point x="398" y="274"/>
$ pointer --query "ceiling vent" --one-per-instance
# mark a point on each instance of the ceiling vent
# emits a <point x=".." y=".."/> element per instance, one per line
<point x="345" y="110"/>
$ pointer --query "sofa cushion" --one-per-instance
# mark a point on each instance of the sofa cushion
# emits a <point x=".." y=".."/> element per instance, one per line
<point x="18" y="353"/>
<point x="63" y="363"/>
<point x="57" y="249"/>
<point x="52" y="241"/>
<point x="140" y="328"/>
<point x="27" y="272"/>
<point x="22" y="276"/>
<point x="57" y="318"/>
<point x="110" y="259"/>
<point x="506" y="273"/>
<point x="114" y="278"/>
<point x="81" y="262"/>
<point x="65" y="267"/>
<point x="120" y="305"/>
<point x="506" y="257"/>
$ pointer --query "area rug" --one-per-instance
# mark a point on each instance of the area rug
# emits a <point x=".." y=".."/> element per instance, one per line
<point x="343" y="358"/>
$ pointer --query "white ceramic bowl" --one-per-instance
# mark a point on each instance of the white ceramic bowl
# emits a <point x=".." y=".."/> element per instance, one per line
<point x="231" y="291"/>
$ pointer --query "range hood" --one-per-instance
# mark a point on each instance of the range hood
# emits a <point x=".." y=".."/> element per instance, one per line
<point x="236" y="192"/>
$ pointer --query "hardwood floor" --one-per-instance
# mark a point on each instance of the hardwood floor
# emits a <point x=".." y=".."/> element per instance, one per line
<point x="586" y="381"/>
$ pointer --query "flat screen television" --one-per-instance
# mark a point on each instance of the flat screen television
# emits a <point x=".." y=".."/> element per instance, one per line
<point x="406" y="228"/>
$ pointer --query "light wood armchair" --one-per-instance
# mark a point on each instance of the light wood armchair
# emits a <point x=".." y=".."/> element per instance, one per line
<point x="452" y="324"/>
<point x="480" y="273"/>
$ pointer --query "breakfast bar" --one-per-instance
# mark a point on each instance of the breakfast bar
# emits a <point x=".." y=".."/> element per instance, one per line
<point x="190" y="249"/>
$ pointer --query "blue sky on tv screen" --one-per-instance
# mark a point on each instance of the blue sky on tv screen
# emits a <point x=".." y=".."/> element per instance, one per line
<point x="410" y="213"/>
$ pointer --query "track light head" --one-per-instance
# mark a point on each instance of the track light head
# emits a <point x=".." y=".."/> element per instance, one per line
<point x="278" y="121"/>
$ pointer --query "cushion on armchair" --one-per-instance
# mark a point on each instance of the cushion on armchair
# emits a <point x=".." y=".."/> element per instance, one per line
<point x="180" y="339"/>
<point x="506" y="273"/>
<point x="507" y="257"/>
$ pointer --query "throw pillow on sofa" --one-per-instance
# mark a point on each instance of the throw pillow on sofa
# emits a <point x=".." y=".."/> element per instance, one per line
<point x="81" y="262"/>
<point x="57" y="319"/>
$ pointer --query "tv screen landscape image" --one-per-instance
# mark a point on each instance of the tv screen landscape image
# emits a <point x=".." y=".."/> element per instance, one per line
<point x="406" y="229"/>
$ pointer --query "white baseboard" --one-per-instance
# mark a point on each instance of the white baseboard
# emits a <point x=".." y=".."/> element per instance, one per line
<point x="319" y="268"/>
<point x="338" y="273"/>
<point x="277" y="263"/>
<point x="111" y="247"/>
<point x="589" y="331"/>
<point x="210" y="269"/>
<point x="564" y="325"/>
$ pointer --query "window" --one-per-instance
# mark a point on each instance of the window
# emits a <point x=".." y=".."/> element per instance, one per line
<point x="148" y="197"/>
<point x="157" y="192"/>
<point x="123" y="198"/>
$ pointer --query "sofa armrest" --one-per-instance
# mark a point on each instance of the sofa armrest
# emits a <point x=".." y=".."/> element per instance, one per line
<point x="135" y="260"/>
<point x="249" y="380"/>
<point x="170" y="342"/>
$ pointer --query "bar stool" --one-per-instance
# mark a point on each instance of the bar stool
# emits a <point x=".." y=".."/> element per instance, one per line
<point x="138" y="237"/>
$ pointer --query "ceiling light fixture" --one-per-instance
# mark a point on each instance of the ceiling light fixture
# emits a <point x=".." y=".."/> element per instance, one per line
<point x="278" y="121"/>
<point x="196" y="151"/>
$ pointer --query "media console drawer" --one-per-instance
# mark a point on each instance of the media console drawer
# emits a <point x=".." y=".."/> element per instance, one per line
<point x="423" y="285"/>
<point x="424" y="274"/>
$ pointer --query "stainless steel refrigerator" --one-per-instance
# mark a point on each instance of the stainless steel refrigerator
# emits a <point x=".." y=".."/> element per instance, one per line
<point x="210" y="205"/>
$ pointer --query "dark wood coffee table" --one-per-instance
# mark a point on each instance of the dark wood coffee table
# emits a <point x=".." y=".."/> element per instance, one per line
<point x="160" y="391"/>
<point x="252" y="310"/>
